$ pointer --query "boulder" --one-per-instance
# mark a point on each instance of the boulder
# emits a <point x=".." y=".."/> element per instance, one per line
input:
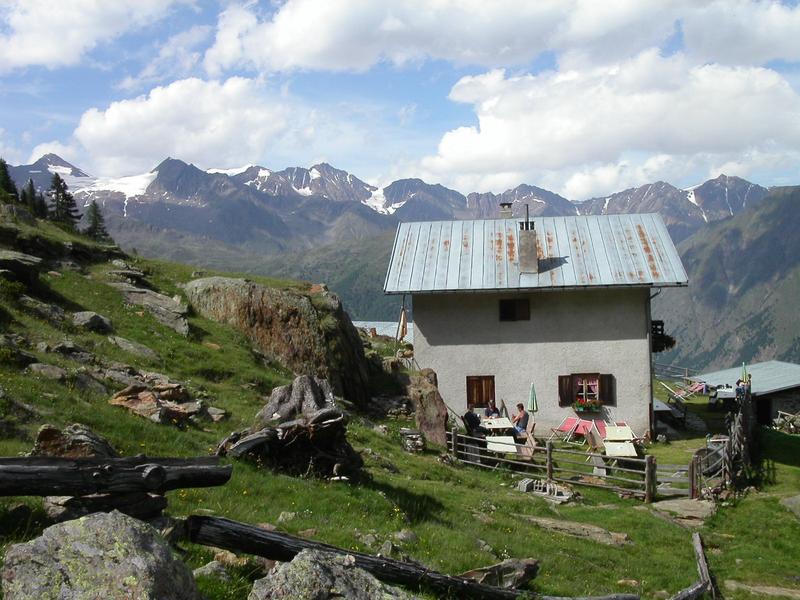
<point x="167" y="311"/>
<point x="430" y="411"/>
<point x="25" y="267"/>
<point x="310" y="335"/>
<point x="134" y="348"/>
<point x="49" y="312"/>
<point x="213" y="569"/>
<point x="148" y="402"/>
<point x="16" y="213"/>
<point x="74" y="441"/>
<point x="91" y="321"/>
<point x="48" y="371"/>
<point x="314" y="575"/>
<point x="86" y="382"/>
<point x="71" y="350"/>
<point x="579" y="530"/>
<point x="512" y="573"/>
<point x="102" y="555"/>
<point x="139" y="505"/>
<point x="9" y="348"/>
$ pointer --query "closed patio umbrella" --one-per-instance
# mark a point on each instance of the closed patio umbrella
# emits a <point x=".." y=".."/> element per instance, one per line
<point x="533" y="404"/>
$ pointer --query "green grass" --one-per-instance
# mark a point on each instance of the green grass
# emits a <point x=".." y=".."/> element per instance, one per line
<point x="438" y="502"/>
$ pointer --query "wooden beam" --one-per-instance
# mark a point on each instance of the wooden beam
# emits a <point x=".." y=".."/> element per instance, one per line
<point x="240" y="537"/>
<point x="49" y="476"/>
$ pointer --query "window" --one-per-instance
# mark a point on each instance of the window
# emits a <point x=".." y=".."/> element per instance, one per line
<point x="515" y="310"/>
<point x="578" y="387"/>
<point x="480" y="389"/>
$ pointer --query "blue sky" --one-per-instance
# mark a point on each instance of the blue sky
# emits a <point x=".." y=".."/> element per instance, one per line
<point x="577" y="96"/>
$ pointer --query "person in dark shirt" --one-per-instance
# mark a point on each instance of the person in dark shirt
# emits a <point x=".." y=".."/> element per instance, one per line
<point x="473" y="424"/>
<point x="491" y="410"/>
<point x="520" y="420"/>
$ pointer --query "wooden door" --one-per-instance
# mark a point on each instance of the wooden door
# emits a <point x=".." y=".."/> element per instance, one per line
<point x="480" y="389"/>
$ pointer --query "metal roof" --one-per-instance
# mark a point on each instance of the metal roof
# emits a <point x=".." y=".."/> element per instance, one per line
<point x="574" y="252"/>
<point x="768" y="377"/>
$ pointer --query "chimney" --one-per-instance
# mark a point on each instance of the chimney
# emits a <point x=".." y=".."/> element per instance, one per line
<point x="528" y="253"/>
<point x="505" y="210"/>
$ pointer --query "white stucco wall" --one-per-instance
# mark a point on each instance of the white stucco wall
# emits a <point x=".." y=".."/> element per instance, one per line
<point x="582" y="331"/>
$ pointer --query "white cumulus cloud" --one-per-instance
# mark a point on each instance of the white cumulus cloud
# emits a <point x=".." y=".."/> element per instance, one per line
<point x="58" y="33"/>
<point x="615" y="123"/>
<point x="207" y="122"/>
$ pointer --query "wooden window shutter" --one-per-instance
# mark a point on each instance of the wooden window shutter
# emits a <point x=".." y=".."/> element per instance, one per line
<point x="565" y="396"/>
<point x="608" y="392"/>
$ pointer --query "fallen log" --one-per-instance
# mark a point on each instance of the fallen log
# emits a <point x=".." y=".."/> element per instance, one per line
<point x="55" y="476"/>
<point x="240" y="537"/>
<point x="692" y="592"/>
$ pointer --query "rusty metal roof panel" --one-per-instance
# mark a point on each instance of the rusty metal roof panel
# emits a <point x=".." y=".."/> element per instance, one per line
<point x="573" y="252"/>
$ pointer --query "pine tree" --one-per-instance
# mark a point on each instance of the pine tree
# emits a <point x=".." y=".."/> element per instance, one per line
<point x="64" y="210"/>
<point x="97" y="225"/>
<point x="41" y="211"/>
<point x="8" y="189"/>
<point x="27" y="197"/>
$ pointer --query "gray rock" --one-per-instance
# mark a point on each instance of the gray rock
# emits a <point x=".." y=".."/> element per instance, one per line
<point x="10" y="345"/>
<point x="139" y="505"/>
<point x="430" y="411"/>
<point x="74" y="441"/>
<point x="133" y="347"/>
<point x="24" y="266"/>
<point x="792" y="504"/>
<point x="71" y="350"/>
<point x="13" y="212"/>
<point x="87" y="383"/>
<point x="48" y="371"/>
<point x="110" y="556"/>
<point x="213" y="569"/>
<point x="49" y="312"/>
<point x="91" y="321"/>
<point x="512" y="573"/>
<point x="314" y="575"/>
<point x="164" y="309"/>
<point x="120" y="264"/>
<point x="286" y="516"/>
<point x="217" y="414"/>
<point x="406" y="536"/>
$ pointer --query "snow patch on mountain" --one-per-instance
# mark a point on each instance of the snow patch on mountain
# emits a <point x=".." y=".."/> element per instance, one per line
<point x="690" y="196"/>
<point x="134" y="185"/>
<point x="230" y="172"/>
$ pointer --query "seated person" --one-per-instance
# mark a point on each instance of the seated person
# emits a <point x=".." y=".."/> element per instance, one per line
<point x="491" y="411"/>
<point x="520" y="420"/>
<point x="473" y="423"/>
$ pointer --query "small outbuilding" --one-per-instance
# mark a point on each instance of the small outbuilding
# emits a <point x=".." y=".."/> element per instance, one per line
<point x="775" y="386"/>
<point x="560" y="304"/>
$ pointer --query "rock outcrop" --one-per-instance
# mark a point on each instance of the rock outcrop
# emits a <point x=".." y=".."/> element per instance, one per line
<point x="430" y="411"/>
<point x="314" y="575"/>
<point x="102" y="555"/>
<point x="167" y="311"/>
<point x="311" y="335"/>
<point x="91" y="321"/>
<point x="74" y="441"/>
<point x="24" y="266"/>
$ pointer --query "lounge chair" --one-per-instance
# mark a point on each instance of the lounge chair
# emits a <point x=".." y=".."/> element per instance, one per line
<point x="528" y="446"/>
<point x="565" y="430"/>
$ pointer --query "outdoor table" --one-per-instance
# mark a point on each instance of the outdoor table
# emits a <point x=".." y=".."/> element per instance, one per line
<point x="501" y="443"/>
<point x="497" y="424"/>
<point x="659" y="406"/>
<point x="620" y="449"/>
<point x="618" y="433"/>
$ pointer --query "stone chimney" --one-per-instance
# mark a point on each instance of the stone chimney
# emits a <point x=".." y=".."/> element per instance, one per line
<point x="505" y="210"/>
<point x="528" y="253"/>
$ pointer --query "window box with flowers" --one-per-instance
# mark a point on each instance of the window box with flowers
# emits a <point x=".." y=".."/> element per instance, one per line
<point x="586" y="392"/>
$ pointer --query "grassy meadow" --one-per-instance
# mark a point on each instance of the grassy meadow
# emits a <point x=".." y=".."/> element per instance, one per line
<point x="450" y="508"/>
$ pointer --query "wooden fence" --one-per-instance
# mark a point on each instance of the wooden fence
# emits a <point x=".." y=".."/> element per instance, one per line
<point x="634" y="476"/>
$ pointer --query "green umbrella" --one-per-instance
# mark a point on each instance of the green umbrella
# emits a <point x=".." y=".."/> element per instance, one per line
<point x="533" y="405"/>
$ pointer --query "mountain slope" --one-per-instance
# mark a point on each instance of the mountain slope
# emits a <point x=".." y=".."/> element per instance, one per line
<point x="741" y="303"/>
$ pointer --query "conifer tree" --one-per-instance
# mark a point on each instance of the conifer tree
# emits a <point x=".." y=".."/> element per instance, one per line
<point x="41" y="211"/>
<point x="27" y="197"/>
<point x="8" y="189"/>
<point x="97" y="225"/>
<point x="64" y="209"/>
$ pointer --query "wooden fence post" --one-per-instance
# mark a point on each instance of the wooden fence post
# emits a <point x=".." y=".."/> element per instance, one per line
<point x="454" y="442"/>
<point x="549" y="448"/>
<point x="692" y="478"/>
<point x="649" y="478"/>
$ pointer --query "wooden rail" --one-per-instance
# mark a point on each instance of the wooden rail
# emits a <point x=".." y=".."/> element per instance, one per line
<point x="635" y="476"/>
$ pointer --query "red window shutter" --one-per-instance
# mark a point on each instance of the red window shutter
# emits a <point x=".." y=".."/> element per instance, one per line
<point x="565" y="390"/>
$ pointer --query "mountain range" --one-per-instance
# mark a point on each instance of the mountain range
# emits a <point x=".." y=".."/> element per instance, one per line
<point x="325" y="224"/>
